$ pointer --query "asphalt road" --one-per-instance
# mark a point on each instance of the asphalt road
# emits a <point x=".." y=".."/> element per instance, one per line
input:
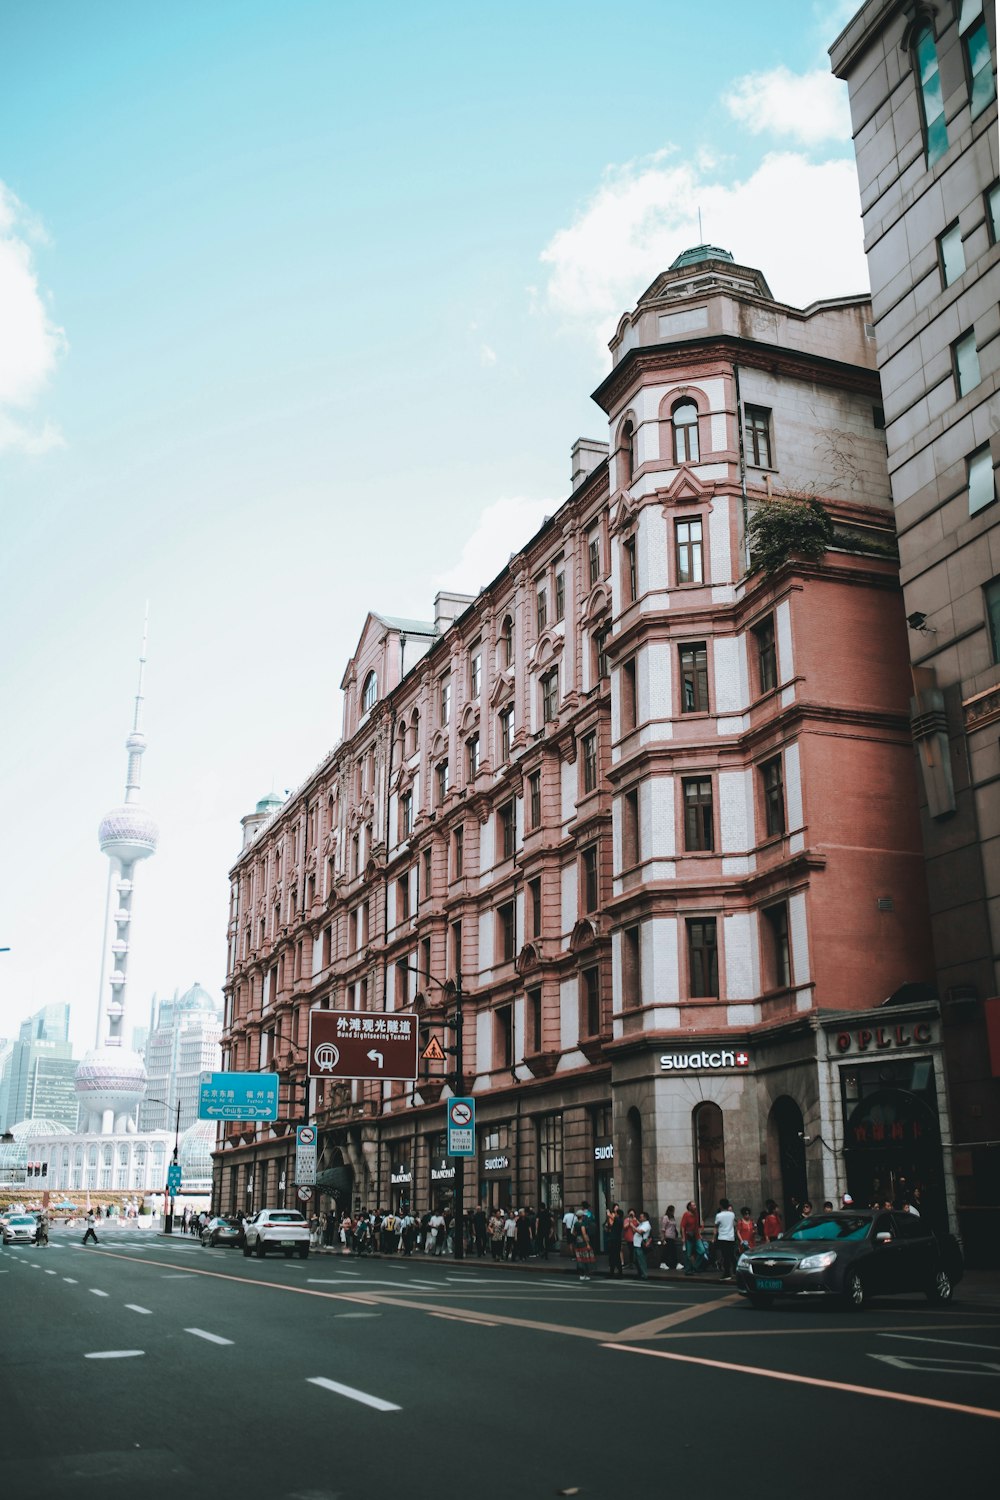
<point x="149" y="1365"/>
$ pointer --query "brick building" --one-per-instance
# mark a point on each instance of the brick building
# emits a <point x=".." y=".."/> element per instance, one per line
<point x="654" y="809"/>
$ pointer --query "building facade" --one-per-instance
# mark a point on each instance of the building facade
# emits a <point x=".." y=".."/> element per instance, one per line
<point x="38" y="1075"/>
<point x="183" y="1043"/>
<point x="922" y="82"/>
<point x="647" y="803"/>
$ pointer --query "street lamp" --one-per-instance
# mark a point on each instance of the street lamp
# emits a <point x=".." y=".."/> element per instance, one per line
<point x="168" y="1197"/>
<point x="453" y="988"/>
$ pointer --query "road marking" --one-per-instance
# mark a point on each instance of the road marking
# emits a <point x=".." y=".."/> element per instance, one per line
<point x="352" y="1394"/>
<point x="50" y="1273"/>
<point x="96" y="1292"/>
<point x="826" y="1385"/>
<point x="116" y="1354"/>
<point x="357" y="1315"/>
<point x="656" y="1326"/>
<point x="926" y="1364"/>
<point x="70" y="1282"/>
<point x="915" y="1338"/>
<point x="134" y="1307"/>
<point x="179" y="1276"/>
<point x="213" y="1338"/>
<point x="455" y="1317"/>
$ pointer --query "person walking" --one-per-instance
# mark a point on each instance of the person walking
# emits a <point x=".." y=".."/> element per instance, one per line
<point x="583" y="1252"/>
<point x="725" y="1238"/>
<point x="91" y="1231"/>
<point x="641" y="1237"/>
<point x="691" y="1238"/>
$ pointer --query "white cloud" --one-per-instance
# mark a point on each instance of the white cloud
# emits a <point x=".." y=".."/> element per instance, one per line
<point x="806" y="107"/>
<point x="31" y="342"/>
<point x="797" y="221"/>
<point x="487" y="356"/>
<point x="503" y="528"/>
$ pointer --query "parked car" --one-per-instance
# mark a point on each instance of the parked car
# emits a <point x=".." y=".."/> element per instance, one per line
<point x="276" y="1229"/>
<point x="224" y="1229"/>
<point x="852" y="1256"/>
<point x="20" y="1229"/>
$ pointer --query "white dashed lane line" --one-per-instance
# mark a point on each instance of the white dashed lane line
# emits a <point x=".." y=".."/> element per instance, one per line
<point x="116" y="1354"/>
<point x="95" y="1292"/>
<point x="353" y="1395"/>
<point x="213" y="1338"/>
<point x="134" y="1307"/>
<point x="70" y="1282"/>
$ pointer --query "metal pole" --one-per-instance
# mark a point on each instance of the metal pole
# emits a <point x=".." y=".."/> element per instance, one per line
<point x="168" y="1217"/>
<point x="459" y="1161"/>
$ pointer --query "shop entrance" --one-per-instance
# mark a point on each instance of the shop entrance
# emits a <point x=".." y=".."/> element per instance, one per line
<point x="605" y="1197"/>
<point x="787" y="1156"/>
<point x="892" y="1141"/>
<point x="495" y="1192"/>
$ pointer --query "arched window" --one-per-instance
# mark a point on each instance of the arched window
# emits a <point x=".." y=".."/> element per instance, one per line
<point x="710" y="1155"/>
<point x="414" y="737"/>
<point x="685" y="423"/>
<point x="626" y="450"/>
<point x="369" y="693"/>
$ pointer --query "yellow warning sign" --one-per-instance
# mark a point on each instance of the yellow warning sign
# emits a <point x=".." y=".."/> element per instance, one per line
<point x="433" y="1052"/>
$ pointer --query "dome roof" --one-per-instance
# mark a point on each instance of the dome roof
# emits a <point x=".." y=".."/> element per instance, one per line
<point x="128" y="828"/>
<point x="197" y="998"/>
<point x="110" y="1078"/>
<point x="195" y="1151"/>
<point x="699" y="252"/>
<point x="16" y="1153"/>
<point x="269" y="804"/>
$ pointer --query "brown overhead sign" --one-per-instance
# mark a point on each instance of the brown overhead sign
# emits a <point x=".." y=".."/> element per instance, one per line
<point x="362" y="1044"/>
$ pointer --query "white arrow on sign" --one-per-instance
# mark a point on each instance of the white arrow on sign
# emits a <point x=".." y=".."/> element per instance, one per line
<point x="376" y="1057"/>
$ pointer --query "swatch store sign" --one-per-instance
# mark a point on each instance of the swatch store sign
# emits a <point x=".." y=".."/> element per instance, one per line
<point x="705" y="1060"/>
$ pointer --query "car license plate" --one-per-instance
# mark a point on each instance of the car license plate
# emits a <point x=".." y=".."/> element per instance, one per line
<point x="287" y="1244"/>
<point x="767" y="1284"/>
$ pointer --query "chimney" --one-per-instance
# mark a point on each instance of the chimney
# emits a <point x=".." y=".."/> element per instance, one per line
<point x="448" y="607"/>
<point x="585" y="456"/>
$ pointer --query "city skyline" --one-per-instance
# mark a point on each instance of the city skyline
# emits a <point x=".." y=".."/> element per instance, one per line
<point x="234" y="318"/>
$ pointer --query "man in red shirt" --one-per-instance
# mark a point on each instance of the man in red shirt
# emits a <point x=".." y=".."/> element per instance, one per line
<point x="690" y="1236"/>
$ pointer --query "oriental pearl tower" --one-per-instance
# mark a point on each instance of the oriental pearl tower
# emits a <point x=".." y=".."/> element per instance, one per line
<point x="111" y="1080"/>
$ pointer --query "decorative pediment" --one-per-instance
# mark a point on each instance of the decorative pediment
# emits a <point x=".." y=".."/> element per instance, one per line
<point x="596" y="606"/>
<point x="439" y="745"/>
<point x="529" y="958"/>
<point x="686" y="489"/>
<point x="584" y="935"/>
<point x="503" y="687"/>
<point x="624" y="512"/>
<point x="548" y="648"/>
<point x="468" y="720"/>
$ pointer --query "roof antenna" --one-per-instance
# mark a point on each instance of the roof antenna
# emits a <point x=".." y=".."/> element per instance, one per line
<point x="701" y="237"/>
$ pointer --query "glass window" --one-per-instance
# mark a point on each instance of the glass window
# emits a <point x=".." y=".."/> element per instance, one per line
<point x="550" y="694"/>
<point x="767" y="655"/>
<point x="627" y="451"/>
<point x="710" y="1147"/>
<point x="535" y="799"/>
<point x="541" y="609"/>
<point x="505" y="931"/>
<point x="370" y="693"/>
<point x="475" y="670"/>
<point x="982" y="484"/>
<point x="630" y="578"/>
<point x="589" y="757"/>
<point x="550" y="1162"/>
<point x="507" y="643"/>
<point x="774" y="796"/>
<point x="966" y="360"/>
<point x="594" y="556"/>
<point x="698" y="820"/>
<point x="631" y="968"/>
<point x="590" y="1002"/>
<point x="472" y="756"/>
<point x="560" y="587"/>
<point x="533" y="1021"/>
<point x="978" y="63"/>
<point x="694" y="678"/>
<point x="703" y="957"/>
<point x="503" y="1036"/>
<point x="406" y="814"/>
<point x="759" y="436"/>
<point x="685" y="425"/>
<point x="951" y="254"/>
<point x="507" y="827"/>
<point x="458" y="852"/>
<point x="931" y="98"/>
<point x="993" y="212"/>
<point x="600" y="642"/>
<point x="535" y="906"/>
<point x="630" y="828"/>
<point x="991" y="598"/>
<point x="589" y="881"/>
<point x="688" y="551"/>
<point x="629" y="707"/>
<point x="505" y="725"/>
<point x="444" y="700"/>
<point x="778" y="959"/>
<point x="443" y="774"/>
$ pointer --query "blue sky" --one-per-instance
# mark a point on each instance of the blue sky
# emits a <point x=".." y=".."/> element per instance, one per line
<point x="301" y="306"/>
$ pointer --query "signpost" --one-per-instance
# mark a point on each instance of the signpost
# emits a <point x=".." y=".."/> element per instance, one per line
<point x="174" y="1178"/>
<point x="461" y="1127"/>
<point x="238" y="1096"/>
<point x="305" y="1156"/>
<point x="362" y="1044"/>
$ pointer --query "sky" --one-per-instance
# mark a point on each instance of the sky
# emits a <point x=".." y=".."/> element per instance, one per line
<point x="301" y="307"/>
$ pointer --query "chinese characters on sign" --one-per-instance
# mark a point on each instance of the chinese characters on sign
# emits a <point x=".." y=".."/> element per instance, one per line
<point x="362" y="1044"/>
<point x="238" y="1096"/>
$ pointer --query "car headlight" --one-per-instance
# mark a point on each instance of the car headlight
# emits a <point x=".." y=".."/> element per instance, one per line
<point x="818" y="1262"/>
<point x="743" y="1264"/>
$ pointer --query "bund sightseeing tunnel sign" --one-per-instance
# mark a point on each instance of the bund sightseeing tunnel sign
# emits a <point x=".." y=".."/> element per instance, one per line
<point x="362" y="1044"/>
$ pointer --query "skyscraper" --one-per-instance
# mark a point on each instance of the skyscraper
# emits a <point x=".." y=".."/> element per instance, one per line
<point x="183" y="1043"/>
<point x="38" y="1073"/>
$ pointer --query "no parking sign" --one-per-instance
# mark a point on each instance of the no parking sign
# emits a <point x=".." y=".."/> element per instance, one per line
<point x="461" y="1127"/>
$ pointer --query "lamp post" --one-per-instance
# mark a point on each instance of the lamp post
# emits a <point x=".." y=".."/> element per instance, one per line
<point x="456" y="1079"/>
<point x="168" y="1197"/>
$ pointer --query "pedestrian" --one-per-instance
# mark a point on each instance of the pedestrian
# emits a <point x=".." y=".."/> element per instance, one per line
<point x="544" y="1231"/>
<point x="628" y="1236"/>
<point x="479" y="1229"/>
<point x="771" y="1223"/>
<point x="91" y="1232"/>
<point x="691" y="1239"/>
<point x="746" y="1230"/>
<point x="725" y="1239"/>
<point x="582" y="1250"/>
<point x="509" y="1235"/>
<point x="614" y="1227"/>
<point x="641" y="1237"/>
<point x="496" y="1225"/>
<point x="522" y="1236"/>
<point x="668" y="1235"/>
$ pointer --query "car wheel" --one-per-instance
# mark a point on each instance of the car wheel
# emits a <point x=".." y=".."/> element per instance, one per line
<point x="854" y="1292"/>
<point x="304" y="1252"/>
<point x="246" y="1250"/>
<point x="260" y="1249"/>
<point x="760" y="1303"/>
<point x="214" y="1242"/>
<point x="941" y="1290"/>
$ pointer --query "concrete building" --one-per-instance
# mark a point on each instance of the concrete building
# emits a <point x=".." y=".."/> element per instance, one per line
<point x="37" y="1079"/>
<point x="922" y="81"/>
<point x="183" y="1043"/>
<point x="652" y="807"/>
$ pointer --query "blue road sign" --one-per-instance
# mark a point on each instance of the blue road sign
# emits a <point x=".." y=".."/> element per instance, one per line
<point x="174" y="1177"/>
<point x="238" y="1096"/>
<point x="461" y="1127"/>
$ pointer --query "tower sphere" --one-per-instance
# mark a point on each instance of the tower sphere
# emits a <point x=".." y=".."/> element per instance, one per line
<point x="110" y="1078"/>
<point x="128" y="833"/>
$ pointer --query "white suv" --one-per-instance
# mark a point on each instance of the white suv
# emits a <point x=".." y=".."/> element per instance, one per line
<point x="276" y="1229"/>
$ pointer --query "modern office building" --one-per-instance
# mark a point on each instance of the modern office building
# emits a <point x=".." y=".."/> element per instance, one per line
<point x="37" y="1078"/>
<point x="922" y="82"/>
<point x="645" y="806"/>
<point x="183" y="1043"/>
